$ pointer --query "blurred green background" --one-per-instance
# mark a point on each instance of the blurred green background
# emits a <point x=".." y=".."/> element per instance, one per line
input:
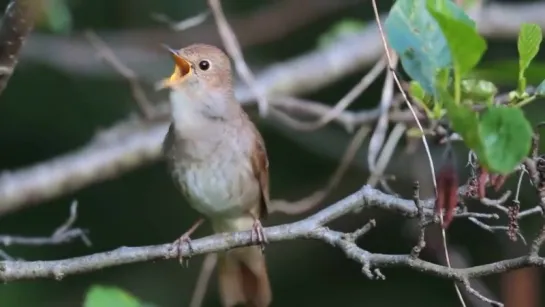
<point x="61" y="95"/>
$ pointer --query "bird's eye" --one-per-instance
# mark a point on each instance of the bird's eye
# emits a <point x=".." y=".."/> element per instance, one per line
<point x="204" y="65"/>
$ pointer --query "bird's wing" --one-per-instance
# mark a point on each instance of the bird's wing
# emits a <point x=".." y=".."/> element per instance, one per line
<point x="260" y="166"/>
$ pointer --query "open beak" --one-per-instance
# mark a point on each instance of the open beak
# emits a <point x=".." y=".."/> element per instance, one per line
<point x="182" y="69"/>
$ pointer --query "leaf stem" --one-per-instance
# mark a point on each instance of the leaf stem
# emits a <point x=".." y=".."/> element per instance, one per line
<point x="526" y="101"/>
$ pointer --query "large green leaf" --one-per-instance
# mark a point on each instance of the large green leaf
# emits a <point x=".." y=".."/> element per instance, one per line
<point x="465" y="44"/>
<point x="506" y="136"/>
<point x="417" y="39"/>
<point x="100" y="296"/>
<point x="416" y="36"/>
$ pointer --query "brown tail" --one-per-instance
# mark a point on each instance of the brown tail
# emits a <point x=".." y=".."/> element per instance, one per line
<point x="243" y="278"/>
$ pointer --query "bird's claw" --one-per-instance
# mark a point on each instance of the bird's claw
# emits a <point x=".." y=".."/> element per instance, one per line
<point x="185" y="238"/>
<point x="260" y="237"/>
<point x="179" y="246"/>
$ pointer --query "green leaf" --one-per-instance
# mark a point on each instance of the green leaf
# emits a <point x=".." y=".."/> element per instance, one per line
<point x="442" y="78"/>
<point x="416" y="91"/>
<point x="506" y="137"/>
<point x="341" y="29"/>
<point x="463" y="120"/>
<point x="101" y="296"/>
<point x="417" y="39"/>
<point x="464" y="42"/>
<point x="530" y="38"/>
<point x="540" y="90"/>
<point x="451" y="9"/>
<point x="420" y="97"/>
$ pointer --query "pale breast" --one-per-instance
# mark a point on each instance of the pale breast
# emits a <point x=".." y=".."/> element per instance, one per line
<point x="214" y="174"/>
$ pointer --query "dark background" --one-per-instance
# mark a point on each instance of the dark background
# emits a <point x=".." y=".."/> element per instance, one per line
<point x="55" y="103"/>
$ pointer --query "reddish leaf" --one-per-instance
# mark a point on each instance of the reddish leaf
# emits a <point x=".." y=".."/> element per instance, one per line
<point x="447" y="193"/>
<point x="481" y="183"/>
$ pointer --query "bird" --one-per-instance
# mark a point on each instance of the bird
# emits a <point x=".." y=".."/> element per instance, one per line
<point x="218" y="161"/>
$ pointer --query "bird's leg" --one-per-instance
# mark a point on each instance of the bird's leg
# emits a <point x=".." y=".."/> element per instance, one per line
<point x="257" y="230"/>
<point x="185" y="238"/>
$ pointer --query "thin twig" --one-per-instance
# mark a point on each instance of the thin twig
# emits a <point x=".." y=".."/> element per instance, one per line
<point x="5" y="256"/>
<point x="201" y="285"/>
<point x="483" y="298"/>
<point x="519" y="185"/>
<point x="354" y="236"/>
<point x="183" y="25"/>
<point x="232" y="47"/>
<point x="494" y="228"/>
<point x="497" y="203"/>
<point x="63" y="234"/>
<point x="145" y="106"/>
<point x="311" y="201"/>
<point x="387" y="152"/>
<point x="381" y="128"/>
<point x="529" y="212"/>
<point x="347" y="99"/>
<point x="287" y="109"/>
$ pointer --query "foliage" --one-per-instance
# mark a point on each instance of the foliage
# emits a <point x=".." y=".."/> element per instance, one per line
<point x="101" y="296"/>
<point x="439" y="47"/>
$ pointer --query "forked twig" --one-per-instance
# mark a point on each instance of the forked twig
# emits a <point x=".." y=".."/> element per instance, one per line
<point x="145" y="106"/>
<point x="379" y="135"/>
<point x="63" y="234"/>
<point x="348" y="98"/>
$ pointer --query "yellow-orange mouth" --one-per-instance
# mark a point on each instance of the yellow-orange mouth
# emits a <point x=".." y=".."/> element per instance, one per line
<point x="182" y="69"/>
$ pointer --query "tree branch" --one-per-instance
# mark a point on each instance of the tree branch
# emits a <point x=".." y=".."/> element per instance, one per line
<point x="312" y="227"/>
<point x="63" y="234"/>
<point x="123" y="148"/>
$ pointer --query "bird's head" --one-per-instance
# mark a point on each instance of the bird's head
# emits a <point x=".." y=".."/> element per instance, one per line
<point x="199" y="65"/>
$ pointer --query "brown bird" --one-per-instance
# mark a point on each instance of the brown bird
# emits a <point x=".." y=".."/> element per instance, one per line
<point x="218" y="160"/>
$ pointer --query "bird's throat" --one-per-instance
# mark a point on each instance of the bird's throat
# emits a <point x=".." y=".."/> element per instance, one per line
<point x="191" y="112"/>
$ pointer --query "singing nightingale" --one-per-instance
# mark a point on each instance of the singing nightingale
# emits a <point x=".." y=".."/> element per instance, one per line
<point x="218" y="160"/>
